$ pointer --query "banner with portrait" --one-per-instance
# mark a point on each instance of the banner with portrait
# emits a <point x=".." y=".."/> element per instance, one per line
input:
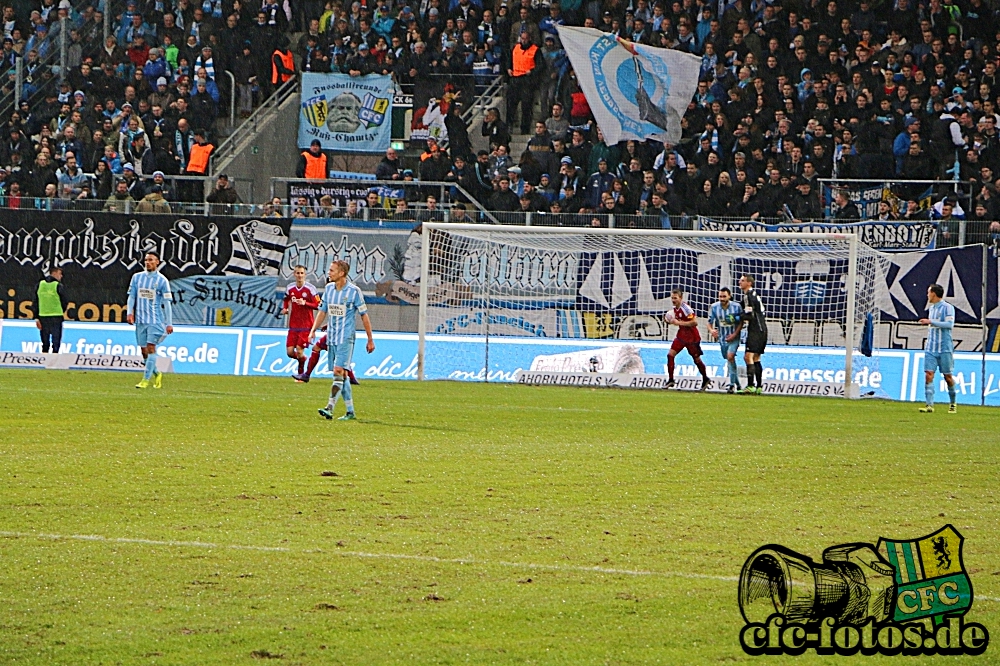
<point x="346" y="113"/>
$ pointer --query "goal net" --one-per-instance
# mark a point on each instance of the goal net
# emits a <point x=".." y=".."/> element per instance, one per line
<point x="497" y="299"/>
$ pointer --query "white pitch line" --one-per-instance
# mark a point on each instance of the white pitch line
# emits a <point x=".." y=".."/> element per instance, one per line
<point x="362" y="554"/>
<point x="389" y="556"/>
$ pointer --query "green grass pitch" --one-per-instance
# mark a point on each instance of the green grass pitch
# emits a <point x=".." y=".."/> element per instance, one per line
<point x="456" y="523"/>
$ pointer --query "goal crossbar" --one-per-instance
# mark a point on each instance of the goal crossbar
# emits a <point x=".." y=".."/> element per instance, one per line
<point x="725" y="235"/>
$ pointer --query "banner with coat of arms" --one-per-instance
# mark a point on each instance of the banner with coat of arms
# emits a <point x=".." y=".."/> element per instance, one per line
<point x="346" y="113"/>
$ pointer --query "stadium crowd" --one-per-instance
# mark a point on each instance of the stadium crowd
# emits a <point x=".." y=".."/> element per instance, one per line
<point x="137" y="107"/>
<point x="789" y="93"/>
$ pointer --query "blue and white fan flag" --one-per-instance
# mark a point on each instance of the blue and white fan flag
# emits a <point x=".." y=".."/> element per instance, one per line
<point x="635" y="91"/>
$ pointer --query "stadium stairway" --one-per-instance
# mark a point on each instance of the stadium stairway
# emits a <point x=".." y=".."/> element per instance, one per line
<point x="264" y="145"/>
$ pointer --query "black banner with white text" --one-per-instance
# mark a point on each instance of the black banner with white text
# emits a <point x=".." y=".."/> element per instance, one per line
<point x="99" y="253"/>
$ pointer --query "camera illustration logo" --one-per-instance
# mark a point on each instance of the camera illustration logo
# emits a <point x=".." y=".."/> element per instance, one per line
<point x="896" y="597"/>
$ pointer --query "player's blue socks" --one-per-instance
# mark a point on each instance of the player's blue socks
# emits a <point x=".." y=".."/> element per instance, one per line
<point x="929" y="393"/>
<point x="348" y="397"/>
<point x="952" y="393"/>
<point x="734" y="375"/>
<point x="150" y="367"/>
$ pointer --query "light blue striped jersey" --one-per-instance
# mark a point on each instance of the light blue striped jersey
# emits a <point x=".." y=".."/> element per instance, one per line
<point x="342" y="306"/>
<point x="725" y="320"/>
<point x="149" y="299"/>
<point x="942" y="316"/>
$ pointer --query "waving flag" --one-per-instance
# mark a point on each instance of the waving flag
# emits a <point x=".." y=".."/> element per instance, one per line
<point x="635" y="91"/>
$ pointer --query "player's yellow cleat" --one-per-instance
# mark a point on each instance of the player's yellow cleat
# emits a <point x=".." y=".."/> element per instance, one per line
<point x="158" y="380"/>
<point x="927" y="410"/>
<point x="952" y="409"/>
<point x="143" y="384"/>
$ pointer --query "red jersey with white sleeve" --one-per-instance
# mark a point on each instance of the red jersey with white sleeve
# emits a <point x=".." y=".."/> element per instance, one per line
<point x="686" y="334"/>
<point x="301" y="316"/>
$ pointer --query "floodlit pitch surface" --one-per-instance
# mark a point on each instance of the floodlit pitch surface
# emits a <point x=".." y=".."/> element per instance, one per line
<point x="456" y="523"/>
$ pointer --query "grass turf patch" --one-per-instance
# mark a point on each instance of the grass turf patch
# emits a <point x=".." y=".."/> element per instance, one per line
<point x="222" y="521"/>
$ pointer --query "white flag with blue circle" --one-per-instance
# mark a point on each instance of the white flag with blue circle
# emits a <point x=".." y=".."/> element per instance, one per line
<point x="635" y="91"/>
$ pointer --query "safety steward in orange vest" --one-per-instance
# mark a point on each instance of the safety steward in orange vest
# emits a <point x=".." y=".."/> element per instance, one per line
<point x="312" y="163"/>
<point x="525" y="59"/>
<point x="197" y="165"/>
<point x="282" y="64"/>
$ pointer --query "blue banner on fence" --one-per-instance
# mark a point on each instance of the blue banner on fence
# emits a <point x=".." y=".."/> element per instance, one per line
<point x="227" y="301"/>
<point x="260" y="352"/>
<point x="346" y="113"/>
<point x="878" y="234"/>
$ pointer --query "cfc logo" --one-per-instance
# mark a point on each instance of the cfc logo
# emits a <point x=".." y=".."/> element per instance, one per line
<point x="899" y="597"/>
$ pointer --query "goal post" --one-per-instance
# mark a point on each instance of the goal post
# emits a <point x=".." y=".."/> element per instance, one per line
<point x="484" y="285"/>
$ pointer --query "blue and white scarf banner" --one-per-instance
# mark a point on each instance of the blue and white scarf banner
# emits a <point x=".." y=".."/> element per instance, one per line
<point x="635" y="91"/>
<point x="350" y="113"/>
<point x="877" y="234"/>
<point x="218" y="300"/>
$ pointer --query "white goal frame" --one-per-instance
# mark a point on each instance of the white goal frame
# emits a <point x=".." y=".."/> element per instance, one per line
<point x="850" y="390"/>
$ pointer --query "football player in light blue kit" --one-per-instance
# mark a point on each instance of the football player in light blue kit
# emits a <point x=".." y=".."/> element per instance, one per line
<point x="342" y="303"/>
<point x="938" y="351"/>
<point x="149" y="309"/>
<point x="724" y="324"/>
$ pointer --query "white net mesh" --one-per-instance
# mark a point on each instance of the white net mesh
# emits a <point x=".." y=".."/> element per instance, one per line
<point x="488" y="285"/>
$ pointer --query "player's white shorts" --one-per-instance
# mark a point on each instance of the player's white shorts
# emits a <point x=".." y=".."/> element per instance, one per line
<point x="340" y="355"/>
<point x="943" y="361"/>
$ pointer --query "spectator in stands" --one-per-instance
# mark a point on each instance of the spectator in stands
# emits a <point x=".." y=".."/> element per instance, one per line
<point x="376" y="210"/>
<point x="461" y="174"/>
<point x="846" y="209"/>
<point x="496" y="129"/>
<point x="43" y="173"/>
<point x="224" y="192"/>
<point x="402" y="212"/>
<point x="120" y="200"/>
<point x="458" y="133"/>
<point x="71" y="175"/>
<point x="430" y="213"/>
<point x="327" y="209"/>
<point x="303" y="209"/>
<point x="504" y="199"/>
<point x="390" y="168"/>
<point x="272" y="209"/>
<point x="598" y="184"/>
<point x="133" y="184"/>
<point x="153" y="202"/>
<point x="160" y="180"/>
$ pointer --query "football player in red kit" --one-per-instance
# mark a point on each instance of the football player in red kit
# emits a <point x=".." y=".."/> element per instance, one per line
<point x="688" y="337"/>
<point x="300" y="303"/>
